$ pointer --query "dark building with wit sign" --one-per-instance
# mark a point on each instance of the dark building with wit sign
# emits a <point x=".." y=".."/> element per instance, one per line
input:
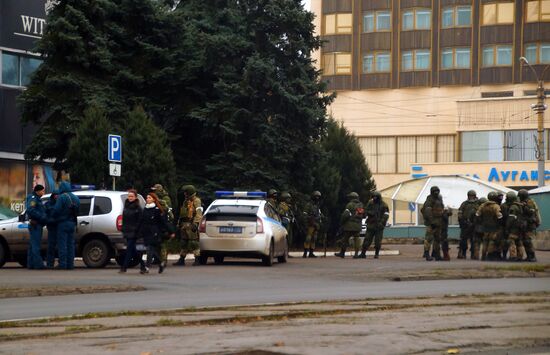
<point x="22" y="23"/>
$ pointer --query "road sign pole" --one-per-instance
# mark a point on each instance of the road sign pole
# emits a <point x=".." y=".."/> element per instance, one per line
<point x="114" y="183"/>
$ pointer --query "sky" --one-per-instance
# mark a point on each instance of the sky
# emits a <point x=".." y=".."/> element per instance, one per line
<point x="307" y="4"/>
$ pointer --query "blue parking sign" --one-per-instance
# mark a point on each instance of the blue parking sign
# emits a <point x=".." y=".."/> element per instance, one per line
<point x="115" y="148"/>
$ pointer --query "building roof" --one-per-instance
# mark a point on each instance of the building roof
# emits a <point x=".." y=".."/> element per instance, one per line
<point x="540" y="190"/>
<point x="454" y="189"/>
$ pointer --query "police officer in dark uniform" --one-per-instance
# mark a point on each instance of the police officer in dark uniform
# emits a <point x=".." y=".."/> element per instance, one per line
<point x="52" y="230"/>
<point x="37" y="220"/>
<point x="65" y="213"/>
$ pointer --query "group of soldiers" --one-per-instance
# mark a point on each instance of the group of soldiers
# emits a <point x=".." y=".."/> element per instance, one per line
<point x="495" y="230"/>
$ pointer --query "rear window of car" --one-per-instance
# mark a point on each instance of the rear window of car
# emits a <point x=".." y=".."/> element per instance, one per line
<point x="234" y="209"/>
<point x="102" y="205"/>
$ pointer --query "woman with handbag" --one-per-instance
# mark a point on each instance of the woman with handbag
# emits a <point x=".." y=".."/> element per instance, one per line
<point x="153" y="225"/>
<point x="131" y="218"/>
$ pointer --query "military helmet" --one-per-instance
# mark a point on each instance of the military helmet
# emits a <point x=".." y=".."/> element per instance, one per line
<point x="377" y="194"/>
<point x="523" y="194"/>
<point x="483" y="200"/>
<point x="285" y="196"/>
<point x="316" y="194"/>
<point x="472" y="193"/>
<point x="492" y="196"/>
<point x="353" y="195"/>
<point x="272" y="192"/>
<point x="511" y="196"/>
<point x="189" y="189"/>
<point x="433" y="189"/>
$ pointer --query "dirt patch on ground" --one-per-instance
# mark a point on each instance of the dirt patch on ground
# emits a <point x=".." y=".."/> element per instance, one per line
<point x="49" y="290"/>
<point x="468" y="323"/>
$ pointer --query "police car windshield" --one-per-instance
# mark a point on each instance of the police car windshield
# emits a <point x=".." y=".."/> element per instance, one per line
<point x="233" y="209"/>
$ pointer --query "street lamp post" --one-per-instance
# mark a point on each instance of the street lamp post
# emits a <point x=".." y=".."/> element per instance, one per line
<point x="539" y="109"/>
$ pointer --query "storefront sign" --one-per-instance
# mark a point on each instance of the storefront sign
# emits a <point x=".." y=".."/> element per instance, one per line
<point x="23" y="22"/>
<point x="515" y="175"/>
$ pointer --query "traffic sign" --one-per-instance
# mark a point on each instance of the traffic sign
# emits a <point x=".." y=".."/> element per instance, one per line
<point x="115" y="148"/>
<point x="115" y="169"/>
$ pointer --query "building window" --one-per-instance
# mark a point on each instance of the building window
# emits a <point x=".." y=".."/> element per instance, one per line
<point x="538" y="11"/>
<point x="456" y="16"/>
<point x="520" y="145"/>
<point x="378" y="62"/>
<point x="497" y="56"/>
<point x="417" y="19"/>
<point x="498" y="13"/>
<point x="455" y="58"/>
<point x="377" y="21"/>
<point x="483" y="146"/>
<point x="338" y="24"/>
<point x="537" y="53"/>
<point x="17" y="69"/>
<point x="415" y="60"/>
<point x="336" y="63"/>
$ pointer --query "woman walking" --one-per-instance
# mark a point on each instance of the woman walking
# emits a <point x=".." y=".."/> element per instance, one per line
<point x="154" y="223"/>
<point x="131" y="217"/>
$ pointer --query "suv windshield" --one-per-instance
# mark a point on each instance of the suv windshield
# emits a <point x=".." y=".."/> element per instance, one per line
<point x="6" y="213"/>
<point x="233" y="209"/>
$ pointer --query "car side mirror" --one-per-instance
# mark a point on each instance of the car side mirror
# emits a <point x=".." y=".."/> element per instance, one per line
<point x="21" y="218"/>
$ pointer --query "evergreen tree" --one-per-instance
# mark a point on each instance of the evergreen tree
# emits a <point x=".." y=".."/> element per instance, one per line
<point x="87" y="153"/>
<point x="147" y="158"/>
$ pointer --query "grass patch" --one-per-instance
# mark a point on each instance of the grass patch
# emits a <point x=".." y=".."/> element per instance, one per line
<point x="523" y="268"/>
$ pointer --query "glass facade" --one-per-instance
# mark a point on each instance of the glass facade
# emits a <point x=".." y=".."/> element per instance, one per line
<point x="455" y="58"/>
<point x="456" y="16"/>
<point x="497" y="56"/>
<point x="415" y="60"/>
<point x="378" y="62"/>
<point x="17" y="69"/>
<point x="416" y="19"/>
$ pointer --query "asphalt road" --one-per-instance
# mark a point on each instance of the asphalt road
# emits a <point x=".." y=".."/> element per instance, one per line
<point x="238" y="283"/>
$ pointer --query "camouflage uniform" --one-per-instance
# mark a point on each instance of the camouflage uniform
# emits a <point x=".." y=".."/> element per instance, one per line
<point x="350" y="225"/>
<point x="490" y="215"/>
<point x="514" y="226"/>
<point x="166" y="203"/>
<point x="466" y="216"/>
<point x="312" y="211"/>
<point x="377" y="212"/>
<point x="532" y="218"/>
<point x="285" y="210"/>
<point x="433" y="213"/>
<point x="190" y="217"/>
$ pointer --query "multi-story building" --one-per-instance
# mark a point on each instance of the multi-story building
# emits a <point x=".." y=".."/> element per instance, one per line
<point x="22" y="22"/>
<point x="436" y="86"/>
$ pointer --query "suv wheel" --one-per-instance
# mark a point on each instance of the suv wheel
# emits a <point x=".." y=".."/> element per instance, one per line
<point x="268" y="260"/>
<point x="95" y="253"/>
<point x="218" y="260"/>
<point x="3" y="253"/>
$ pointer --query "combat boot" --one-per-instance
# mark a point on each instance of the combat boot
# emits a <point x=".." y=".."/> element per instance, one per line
<point x="446" y="256"/>
<point x="305" y="254"/>
<point x="363" y="254"/>
<point x="437" y="256"/>
<point x="376" y="253"/>
<point x="356" y="255"/>
<point x="311" y="255"/>
<point x="427" y="256"/>
<point x="461" y="254"/>
<point x="180" y="262"/>
<point x="340" y="254"/>
<point x="531" y="257"/>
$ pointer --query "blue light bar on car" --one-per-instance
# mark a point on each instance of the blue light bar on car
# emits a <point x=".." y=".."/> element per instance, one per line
<point x="242" y="194"/>
<point x="83" y="187"/>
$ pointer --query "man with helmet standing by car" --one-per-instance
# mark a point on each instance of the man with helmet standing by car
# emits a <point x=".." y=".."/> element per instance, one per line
<point x="312" y="212"/>
<point x="350" y="224"/>
<point x="285" y="210"/>
<point x="272" y="196"/>
<point x="466" y="216"/>
<point x="377" y="212"/>
<point x="490" y="216"/>
<point x="532" y="218"/>
<point x="188" y="224"/>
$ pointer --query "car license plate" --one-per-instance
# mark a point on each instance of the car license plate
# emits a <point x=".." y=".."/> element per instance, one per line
<point x="232" y="230"/>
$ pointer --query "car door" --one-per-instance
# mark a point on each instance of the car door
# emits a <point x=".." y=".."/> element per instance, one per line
<point x="103" y="220"/>
<point x="84" y="218"/>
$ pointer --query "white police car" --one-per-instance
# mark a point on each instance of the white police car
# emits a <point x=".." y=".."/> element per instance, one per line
<point x="242" y="224"/>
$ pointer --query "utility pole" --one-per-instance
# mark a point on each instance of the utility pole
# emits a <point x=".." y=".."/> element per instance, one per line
<point x="539" y="109"/>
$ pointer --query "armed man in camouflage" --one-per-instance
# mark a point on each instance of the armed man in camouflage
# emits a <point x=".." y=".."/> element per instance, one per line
<point x="312" y="212"/>
<point x="466" y="215"/>
<point x="350" y="225"/>
<point x="433" y="212"/>
<point x="287" y="216"/>
<point x="272" y="196"/>
<point x="188" y="224"/>
<point x="377" y="212"/>
<point x="515" y="223"/>
<point x="166" y="203"/>
<point x="478" y="233"/>
<point x="532" y="218"/>
<point x="490" y="215"/>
